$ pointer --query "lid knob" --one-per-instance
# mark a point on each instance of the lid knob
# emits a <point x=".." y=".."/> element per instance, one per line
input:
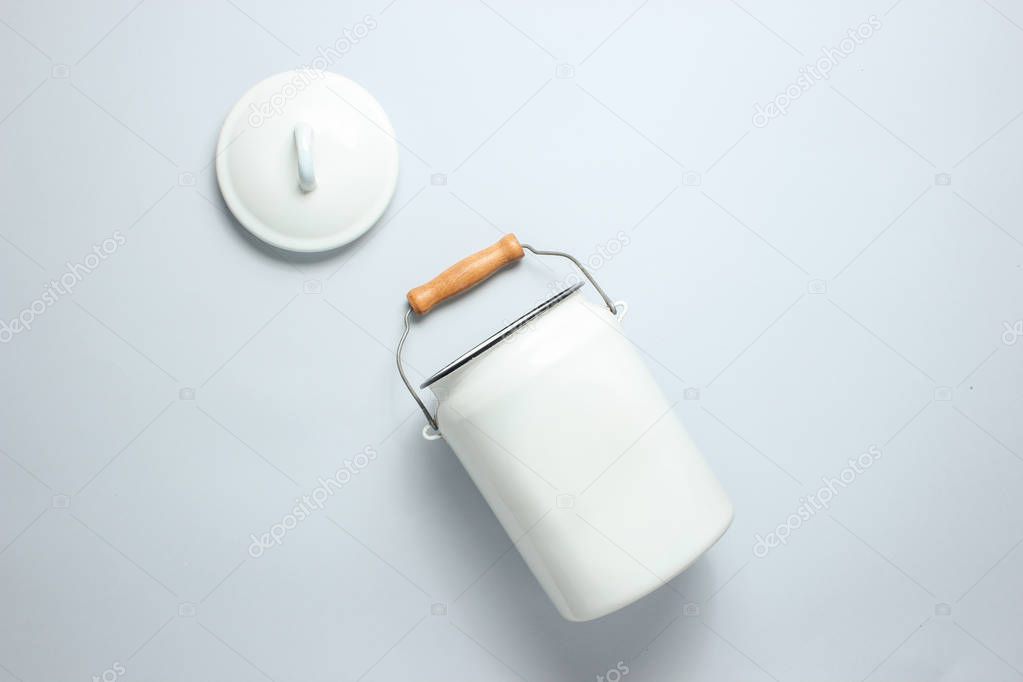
<point x="304" y="147"/>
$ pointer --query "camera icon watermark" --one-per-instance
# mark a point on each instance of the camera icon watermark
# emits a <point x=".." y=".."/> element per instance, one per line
<point x="942" y="609"/>
<point x="942" y="179"/>
<point x="564" y="71"/>
<point x="60" y="71"/>
<point x="691" y="393"/>
<point x="692" y="179"/>
<point x="187" y="610"/>
<point x="438" y="609"/>
<point x="565" y="501"/>
<point x="817" y="287"/>
<point x="312" y="286"/>
<point x="186" y="179"/>
<point x="438" y="179"/>
<point x="691" y="610"/>
<point x="943" y="394"/>
<point x="61" y="502"/>
<point x="186" y="393"/>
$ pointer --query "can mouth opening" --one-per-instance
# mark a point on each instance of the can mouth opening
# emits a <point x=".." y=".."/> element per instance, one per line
<point x="501" y="335"/>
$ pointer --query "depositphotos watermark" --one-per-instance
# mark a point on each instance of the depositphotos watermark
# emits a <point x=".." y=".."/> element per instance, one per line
<point x="307" y="74"/>
<point x="810" y="74"/>
<point x="602" y="254"/>
<point x="111" y="674"/>
<point x="811" y="504"/>
<point x="62" y="286"/>
<point x="313" y="501"/>
<point x="614" y="674"/>
<point x="1012" y="332"/>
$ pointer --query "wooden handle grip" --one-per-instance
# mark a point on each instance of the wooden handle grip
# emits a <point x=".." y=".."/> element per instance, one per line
<point x="465" y="274"/>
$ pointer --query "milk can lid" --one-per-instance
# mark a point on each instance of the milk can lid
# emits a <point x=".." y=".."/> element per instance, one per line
<point x="307" y="160"/>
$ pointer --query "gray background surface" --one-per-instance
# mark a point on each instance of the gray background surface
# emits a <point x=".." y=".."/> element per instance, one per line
<point x="847" y="276"/>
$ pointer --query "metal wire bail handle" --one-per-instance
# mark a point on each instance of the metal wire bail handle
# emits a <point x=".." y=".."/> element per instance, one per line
<point x="466" y="274"/>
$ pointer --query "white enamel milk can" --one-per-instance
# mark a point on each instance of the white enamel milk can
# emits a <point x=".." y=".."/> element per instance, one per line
<point x="570" y="440"/>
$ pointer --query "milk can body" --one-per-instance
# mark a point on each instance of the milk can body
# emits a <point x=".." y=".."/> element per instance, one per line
<point x="580" y="455"/>
<point x="582" y="459"/>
